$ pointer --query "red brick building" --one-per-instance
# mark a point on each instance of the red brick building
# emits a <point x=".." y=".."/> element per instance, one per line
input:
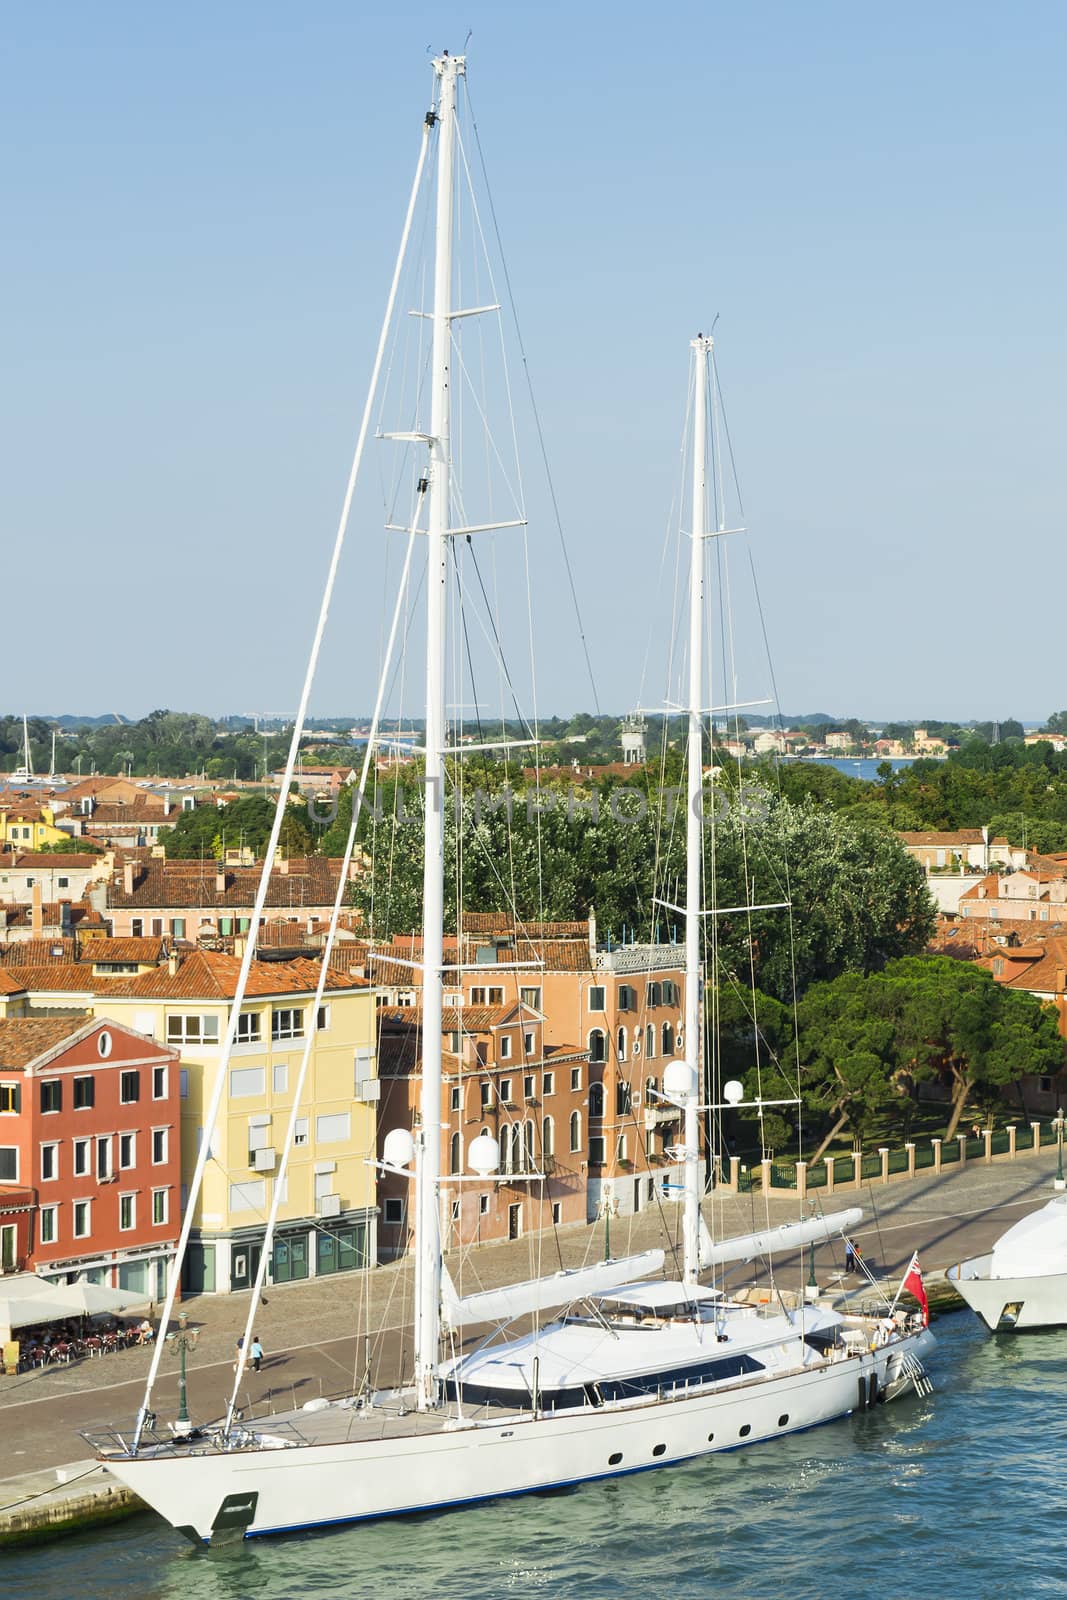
<point x="89" y="1151"/>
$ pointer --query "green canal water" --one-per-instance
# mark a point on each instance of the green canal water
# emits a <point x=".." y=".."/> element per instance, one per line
<point x="961" y="1494"/>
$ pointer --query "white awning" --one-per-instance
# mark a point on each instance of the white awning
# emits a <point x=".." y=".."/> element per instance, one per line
<point x="789" y="1236"/>
<point x="503" y="1305"/>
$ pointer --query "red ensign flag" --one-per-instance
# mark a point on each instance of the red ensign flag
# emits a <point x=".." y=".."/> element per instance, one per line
<point x="913" y="1283"/>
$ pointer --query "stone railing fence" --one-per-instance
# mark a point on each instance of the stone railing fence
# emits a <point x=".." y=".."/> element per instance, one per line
<point x="859" y="1168"/>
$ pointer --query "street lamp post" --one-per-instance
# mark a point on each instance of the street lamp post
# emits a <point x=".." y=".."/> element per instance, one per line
<point x="1058" y="1125"/>
<point x="184" y="1340"/>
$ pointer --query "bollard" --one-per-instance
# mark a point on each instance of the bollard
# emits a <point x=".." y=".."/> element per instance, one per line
<point x="883" y="1151"/>
<point x="1011" y="1141"/>
<point x="828" y="1163"/>
<point x="961" y="1140"/>
<point x="1036" y="1130"/>
<point x="802" y="1180"/>
<point x="987" y="1136"/>
<point x="857" y="1168"/>
<point x="735" y="1172"/>
<point x="765" y="1179"/>
<point x="937" y="1154"/>
<point x="910" y="1148"/>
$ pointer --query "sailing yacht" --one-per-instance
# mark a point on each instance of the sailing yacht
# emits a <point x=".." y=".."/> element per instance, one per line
<point x="633" y="1370"/>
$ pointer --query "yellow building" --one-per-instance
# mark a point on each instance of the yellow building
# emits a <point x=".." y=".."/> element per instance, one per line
<point x="29" y="827"/>
<point x="327" y="1218"/>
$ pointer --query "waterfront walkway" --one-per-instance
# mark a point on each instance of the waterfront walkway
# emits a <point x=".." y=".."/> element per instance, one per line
<point x="309" y="1330"/>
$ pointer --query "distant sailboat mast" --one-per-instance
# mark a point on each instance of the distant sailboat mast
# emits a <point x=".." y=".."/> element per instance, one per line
<point x="695" y="825"/>
<point x="428" y="1162"/>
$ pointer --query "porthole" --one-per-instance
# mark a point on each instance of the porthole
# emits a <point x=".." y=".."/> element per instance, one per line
<point x="615" y="1458"/>
<point x="746" y="1430"/>
<point x="783" y="1419"/>
<point x="103" y="1043"/>
<point x="659" y="1449"/>
<point x="710" y="1437"/>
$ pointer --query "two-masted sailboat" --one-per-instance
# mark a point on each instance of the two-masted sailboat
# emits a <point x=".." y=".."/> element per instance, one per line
<point x="633" y="1371"/>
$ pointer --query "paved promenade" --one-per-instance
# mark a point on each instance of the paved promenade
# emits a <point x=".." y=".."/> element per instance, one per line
<point x="308" y="1330"/>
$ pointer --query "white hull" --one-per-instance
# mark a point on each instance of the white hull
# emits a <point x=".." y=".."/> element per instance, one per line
<point x="217" y="1496"/>
<point x="1011" y="1305"/>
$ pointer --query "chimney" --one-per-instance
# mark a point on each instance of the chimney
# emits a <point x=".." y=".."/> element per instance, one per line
<point x="220" y="882"/>
<point x="172" y="964"/>
<point x="282" y="865"/>
<point x="166" y="805"/>
<point x="239" y="948"/>
<point x="129" y="876"/>
<point x="37" y="913"/>
<point x="592" y="936"/>
<point x="1061" y="976"/>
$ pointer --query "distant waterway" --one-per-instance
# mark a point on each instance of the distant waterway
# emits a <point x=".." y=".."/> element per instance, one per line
<point x="959" y="1494"/>
<point x="860" y="767"/>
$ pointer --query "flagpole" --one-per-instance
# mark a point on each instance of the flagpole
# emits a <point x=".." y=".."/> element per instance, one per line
<point x="914" y="1262"/>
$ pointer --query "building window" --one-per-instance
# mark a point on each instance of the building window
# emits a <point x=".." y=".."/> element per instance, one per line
<point x="159" y="1083"/>
<point x="620" y="1044"/>
<point x="159" y="1146"/>
<point x="247" y="1081"/>
<point x="455" y="1098"/>
<point x="485" y="1093"/>
<point x="160" y="1207"/>
<point x="136" y="927"/>
<point x="620" y="1147"/>
<point x="505" y="1047"/>
<point x="667" y="1039"/>
<point x="82" y="1157"/>
<point x="597" y="1050"/>
<point x="127" y="1150"/>
<point x="505" y="1091"/>
<point x="10" y="1098"/>
<point x="287" y="1022"/>
<point x="531" y="997"/>
<point x="627" y="998"/>
<point x="49" y="1224"/>
<point x="528" y="1086"/>
<point x="62" y="883"/>
<point x="248" y="1196"/>
<point x="557" y="1213"/>
<point x="393" y="1214"/>
<point x="192" y="1029"/>
<point x="528" y="1044"/>
<point x="157" y="927"/>
<point x="103" y="1044"/>
<point x="596" y="997"/>
<point x="653" y="994"/>
<point x="596" y="1100"/>
<point x="483" y="1205"/>
<point x="183" y="1083"/>
<point x="455" y="1154"/>
<point x="300" y="1130"/>
<point x="127" y="1212"/>
<point x="596" y="1150"/>
<point x="622" y="1098"/>
<point x="103" y="1158"/>
<point x="322" y="1019"/>
<point x="650" y="1041"/>
<point x="487" y="997"/>
<point x="548" y="1137"/>
<point x="248" y="1027"/>
<point x="49" y="1162"/>
<point x="83" y="1212"/>
<point x="177" y="927"/>
<point x="576" y="1130"/>
<point x="280" y="1077"/>
<point x="129" y="1087"/>
<point x="576" y="1077"/>
<point x="333" y="1128"/>
<point x="52" y="1095"/>
<point x="548" y="1083"/>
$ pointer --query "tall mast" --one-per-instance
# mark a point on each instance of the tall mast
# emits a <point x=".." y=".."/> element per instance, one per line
<point x="694" y="833"/>
<point x="428" y="1155"/>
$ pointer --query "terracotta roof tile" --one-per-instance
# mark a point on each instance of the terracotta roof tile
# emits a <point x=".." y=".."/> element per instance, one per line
<point x="23" y="1039"/>
<point x="212" y="975"/>
<point x="124" y="950"/>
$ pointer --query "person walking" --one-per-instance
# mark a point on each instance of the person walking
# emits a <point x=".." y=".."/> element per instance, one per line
<point x="237" y="1352"/>
<point x="255" y="1352"/>
<point x="850" y="1256"/>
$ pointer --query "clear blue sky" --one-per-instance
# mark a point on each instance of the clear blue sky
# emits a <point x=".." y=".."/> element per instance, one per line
<point x="201" y="207"/>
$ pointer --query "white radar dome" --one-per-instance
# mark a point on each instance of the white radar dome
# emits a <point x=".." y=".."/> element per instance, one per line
<point x="679" y="1081"/>
<point x="484" y="1155"/>
<point x="399" y="1147"/>
<point x="733" y="1092"/>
